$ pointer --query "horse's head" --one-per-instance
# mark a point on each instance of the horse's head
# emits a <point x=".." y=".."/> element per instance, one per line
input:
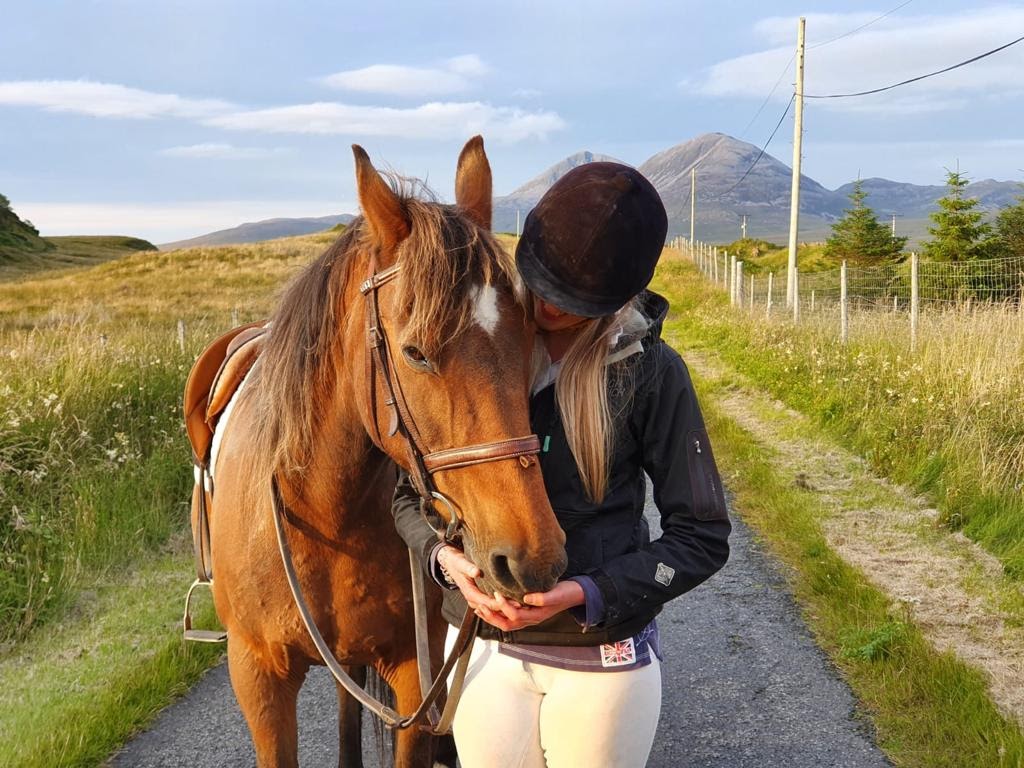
<point x="458" y="350"/>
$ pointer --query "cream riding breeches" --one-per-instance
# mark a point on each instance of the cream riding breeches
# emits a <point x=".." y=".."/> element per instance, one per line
<point x="517" y="714"/>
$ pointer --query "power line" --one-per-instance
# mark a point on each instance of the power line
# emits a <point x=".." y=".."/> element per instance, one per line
<point x="768" y="97"/>
<point x="761" y="154"/>
<point x="862" y="26"/>
<point x="919" y="77"/>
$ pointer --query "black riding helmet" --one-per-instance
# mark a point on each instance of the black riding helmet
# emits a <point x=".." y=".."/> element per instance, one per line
<point x="593" y="240"/>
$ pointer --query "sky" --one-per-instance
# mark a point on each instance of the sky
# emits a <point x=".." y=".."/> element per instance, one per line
<point x="167" y="120"/>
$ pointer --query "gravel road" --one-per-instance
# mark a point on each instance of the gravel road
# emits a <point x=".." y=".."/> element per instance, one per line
<point x="744" y="685"/>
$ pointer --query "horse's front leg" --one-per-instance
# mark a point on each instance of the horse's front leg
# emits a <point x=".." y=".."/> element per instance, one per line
<point x="414" y="747"/>
<point x="267" y="688"/>
<point x="350" y="722"/>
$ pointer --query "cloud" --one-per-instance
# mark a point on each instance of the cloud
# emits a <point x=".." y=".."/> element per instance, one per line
<point x="526" y="93"/>
<point x="895" y="49"/>
<point x="225" y="151"/>
<point x="86" y="97"/>
<point x="165" y="222"/>
<point x="436" y="120"/>
<point x="433" y="120"/>
<point x="454" y="76"/>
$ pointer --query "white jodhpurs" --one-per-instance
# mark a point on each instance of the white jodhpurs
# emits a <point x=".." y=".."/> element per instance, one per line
<point x="517" y="714"/>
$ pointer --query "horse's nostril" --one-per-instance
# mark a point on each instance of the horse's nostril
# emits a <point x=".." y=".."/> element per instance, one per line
<point x="501" y="571"/>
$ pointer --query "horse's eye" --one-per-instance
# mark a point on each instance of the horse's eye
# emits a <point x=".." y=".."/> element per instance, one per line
<point x="414" y="357"/>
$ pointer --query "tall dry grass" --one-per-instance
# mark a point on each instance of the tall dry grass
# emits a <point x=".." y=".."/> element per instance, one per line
<point x="94" y="468"/>
<point x="947" y="418"/>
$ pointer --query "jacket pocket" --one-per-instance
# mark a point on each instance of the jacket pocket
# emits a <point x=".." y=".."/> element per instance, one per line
<point x="705" y="482"/>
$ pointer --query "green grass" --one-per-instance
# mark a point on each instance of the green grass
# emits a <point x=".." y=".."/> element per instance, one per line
<point x="948" y="419"/>
<point x="63" y="253"/>
<point x="95" y="479"/>
<point x="73" y="694"/>
<point x="929" y="708"/>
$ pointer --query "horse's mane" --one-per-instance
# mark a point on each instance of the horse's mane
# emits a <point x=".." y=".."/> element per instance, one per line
<point x="442" y="259"/>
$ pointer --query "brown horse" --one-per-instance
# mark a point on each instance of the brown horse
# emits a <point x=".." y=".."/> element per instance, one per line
<point x="460" y="346"/>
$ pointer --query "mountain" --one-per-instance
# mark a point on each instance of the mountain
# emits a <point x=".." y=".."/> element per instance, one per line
<point x="525" y="197"/>
<point x="763" y="196"/>
<point x="257" y="231"/>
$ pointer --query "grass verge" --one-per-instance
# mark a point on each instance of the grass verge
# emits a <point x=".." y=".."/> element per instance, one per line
<point x="929" y="708"/>
<point x="73" y="694"/>
<point x="946" y="419"/>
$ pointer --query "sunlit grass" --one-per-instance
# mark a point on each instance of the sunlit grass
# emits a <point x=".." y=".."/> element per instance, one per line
<point x="947" y="418"/>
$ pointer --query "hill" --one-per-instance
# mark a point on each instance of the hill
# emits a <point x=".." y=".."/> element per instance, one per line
<point x="23" y="251"/>
<point x="258" y="231"/>
<point x="19" y="240"/>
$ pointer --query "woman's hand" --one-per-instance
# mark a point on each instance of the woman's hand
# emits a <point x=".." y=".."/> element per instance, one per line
<point x="508" y="615"/>
<point x="499" y="611"/>
<point x="462" y="571"/>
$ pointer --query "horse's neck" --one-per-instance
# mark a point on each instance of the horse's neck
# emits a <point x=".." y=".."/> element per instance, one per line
<point x="347" y="473"/>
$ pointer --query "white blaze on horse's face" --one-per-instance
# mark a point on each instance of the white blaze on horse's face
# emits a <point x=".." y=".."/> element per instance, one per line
<point x="485" y="308"/>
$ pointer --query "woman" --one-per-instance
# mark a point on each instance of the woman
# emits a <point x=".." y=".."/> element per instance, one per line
<point x="571" y="677"/>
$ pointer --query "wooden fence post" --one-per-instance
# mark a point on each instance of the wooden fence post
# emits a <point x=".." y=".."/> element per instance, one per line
<point x="181" y="334"/>
<point x="738" y="288"/>
<point x="234" y="317"/>
<point x="914" y="298"/>
<point x="844" y="316"/>
<point x="768" y="307"/>
<point x="751" y="293"/>
<point x="812" y="301"/>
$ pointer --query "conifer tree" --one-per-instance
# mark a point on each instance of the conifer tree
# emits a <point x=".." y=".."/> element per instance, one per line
<point x="1010" y="229"/>
<point x="959" y="233"/>
<point x="859" y="238"/>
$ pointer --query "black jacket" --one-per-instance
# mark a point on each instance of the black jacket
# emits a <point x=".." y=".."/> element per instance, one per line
<point x="661" y="433"/>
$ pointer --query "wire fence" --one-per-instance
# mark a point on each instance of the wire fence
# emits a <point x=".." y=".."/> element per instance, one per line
<point x="906" y="286"/>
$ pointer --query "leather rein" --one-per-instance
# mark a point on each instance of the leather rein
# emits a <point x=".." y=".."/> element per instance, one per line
<point x="423" y="464"/>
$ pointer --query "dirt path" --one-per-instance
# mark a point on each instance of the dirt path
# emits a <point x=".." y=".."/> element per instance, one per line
<point x="953" y="589"/>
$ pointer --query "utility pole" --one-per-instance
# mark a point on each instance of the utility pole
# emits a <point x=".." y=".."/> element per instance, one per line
<point x="798" y="130"/>
<point x="517" y="224"/>
<point x="693" y="199"/>
<point x="743" y="226"/>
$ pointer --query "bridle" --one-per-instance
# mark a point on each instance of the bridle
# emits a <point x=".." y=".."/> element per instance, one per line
<point x="423" y="465"/>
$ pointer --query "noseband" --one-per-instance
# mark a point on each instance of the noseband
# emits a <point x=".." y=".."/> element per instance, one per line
<point x="423" y="464"/>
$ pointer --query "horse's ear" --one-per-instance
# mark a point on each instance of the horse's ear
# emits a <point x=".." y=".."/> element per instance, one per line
<point x="473" y="183"/>
<point x="381" y="206"/>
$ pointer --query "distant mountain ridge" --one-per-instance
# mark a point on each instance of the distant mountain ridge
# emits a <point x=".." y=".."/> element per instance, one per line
<point x="258" y="231"/>
<point x="763" y="196"/>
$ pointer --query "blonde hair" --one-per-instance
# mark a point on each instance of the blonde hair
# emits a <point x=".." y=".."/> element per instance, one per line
<point x="582" y="390"/>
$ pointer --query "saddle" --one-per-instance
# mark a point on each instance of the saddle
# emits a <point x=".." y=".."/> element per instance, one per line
<point x="212" y="382"/>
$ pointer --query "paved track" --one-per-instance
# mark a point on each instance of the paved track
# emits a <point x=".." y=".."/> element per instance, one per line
<point x="744" y="685"/>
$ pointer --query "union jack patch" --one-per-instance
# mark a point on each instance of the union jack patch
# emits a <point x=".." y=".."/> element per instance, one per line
<point x="618" y="654"/>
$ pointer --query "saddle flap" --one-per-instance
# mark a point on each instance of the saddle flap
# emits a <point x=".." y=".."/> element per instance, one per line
<point x="242" y="353"/>
<point x="197" y="391"/>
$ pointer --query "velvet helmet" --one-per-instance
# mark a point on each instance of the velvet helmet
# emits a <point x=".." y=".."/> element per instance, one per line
<point x="593" y="240"/>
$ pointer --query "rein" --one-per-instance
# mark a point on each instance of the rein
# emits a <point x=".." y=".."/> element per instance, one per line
<point x="423" y="465"/>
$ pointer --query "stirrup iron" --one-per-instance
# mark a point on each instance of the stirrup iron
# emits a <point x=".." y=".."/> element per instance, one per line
<point x="199" y="635"/>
